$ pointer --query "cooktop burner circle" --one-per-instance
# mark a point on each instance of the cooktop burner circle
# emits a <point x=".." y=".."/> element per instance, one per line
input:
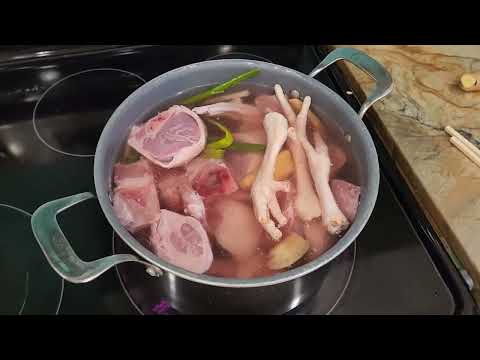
<point x="141" y="290"/>
<point x="70" y="115"/>
<point x="32" y="285"/>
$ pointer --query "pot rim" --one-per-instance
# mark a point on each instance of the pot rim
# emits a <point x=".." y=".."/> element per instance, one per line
<point x="351" y="234"/>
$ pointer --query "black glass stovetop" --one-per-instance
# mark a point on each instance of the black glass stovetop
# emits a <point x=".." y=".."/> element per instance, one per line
<point x="52" y="111"/>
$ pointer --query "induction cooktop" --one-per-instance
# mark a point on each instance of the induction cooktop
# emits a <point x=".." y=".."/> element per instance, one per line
<point x="52" y="111"/>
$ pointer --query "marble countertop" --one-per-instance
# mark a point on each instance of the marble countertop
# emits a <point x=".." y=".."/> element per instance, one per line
<point x="411" y="121"/>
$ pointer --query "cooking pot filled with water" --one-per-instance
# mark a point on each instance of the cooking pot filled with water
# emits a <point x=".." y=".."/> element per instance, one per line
<point x="233" y="181"/>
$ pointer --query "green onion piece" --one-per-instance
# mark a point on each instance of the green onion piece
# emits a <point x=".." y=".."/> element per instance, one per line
<point x="247" y="147"/>
<point x="216" y="146"/>
<point x="211" y="139"/>
<point x="219" y="89"/>
<point x="214" y="153"/>
<point x="224" y="142"/>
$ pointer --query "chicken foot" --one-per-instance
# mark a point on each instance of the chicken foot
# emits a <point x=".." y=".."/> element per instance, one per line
<point x="307" y="204"/>
<point x="264" y="188"/>
<point x="319" y="162"/>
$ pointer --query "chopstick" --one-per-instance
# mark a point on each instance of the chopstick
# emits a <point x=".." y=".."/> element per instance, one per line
<point x="465" y="146"/>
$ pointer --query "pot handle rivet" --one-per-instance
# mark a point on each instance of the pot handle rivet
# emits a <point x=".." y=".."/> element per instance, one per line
<point x="153" y="272"/>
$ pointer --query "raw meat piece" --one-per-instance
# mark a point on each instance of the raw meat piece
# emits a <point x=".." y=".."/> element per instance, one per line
<point x="241" y="195"/>
<point x="182" y="241"/>
<point x="268" y="103"/>
<point x="168" y="183"/>
<point x="135" y="173"/>
<point x="234" y="226"/>
<point x="135" y="207"/>
<point x="170" y="139"/>
<point x="242" y="163"/>
<point x="177" y="194"/>
<point x="347" y="196"/>
<point x="135" y="199"/>
<point x="255" y="136"/>
<point x="210" y="177"/>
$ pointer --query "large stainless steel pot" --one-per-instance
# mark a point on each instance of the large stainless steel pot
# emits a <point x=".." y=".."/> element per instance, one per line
<point x="194" y="293"/>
